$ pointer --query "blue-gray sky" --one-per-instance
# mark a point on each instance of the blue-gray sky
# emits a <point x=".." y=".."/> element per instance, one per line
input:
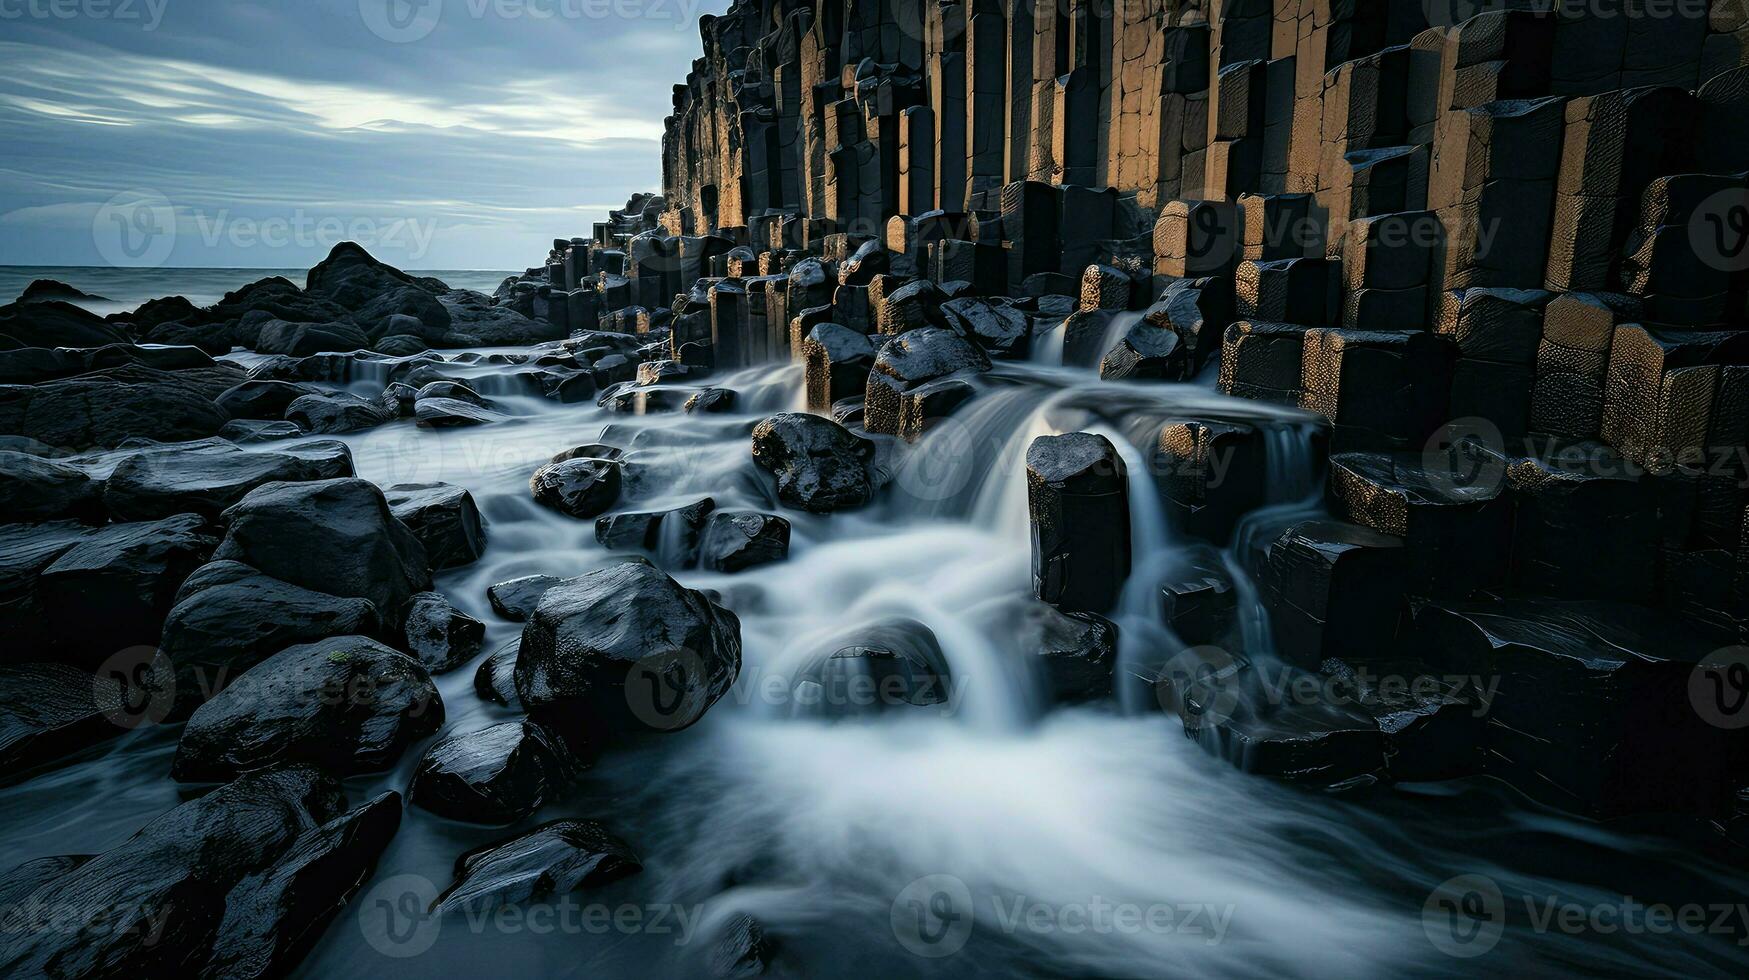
<point x="449" y="133"/>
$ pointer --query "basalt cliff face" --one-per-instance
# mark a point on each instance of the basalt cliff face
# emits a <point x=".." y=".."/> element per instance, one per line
<point x="1497" y="251"/>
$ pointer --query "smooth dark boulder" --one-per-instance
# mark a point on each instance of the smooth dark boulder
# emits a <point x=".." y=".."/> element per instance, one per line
<point x="820" y="466"/>
<point x="497" y="775"/>
<point x="999" y="328"/>
<point x="734" y="542"/>
<point x="556" y="858"/>
<point x="108" y="407"/>
<point x="351" y="277"/>
<point x="495" y="680"/>
<point x="476" y="322"/>
<point x="625" y="647"/>
<point x="37" y="489"/>
<point x="53" y="711"/>
<point x="335" y="536"/>
<point x="671" y="536"/>
<point x="1078" y="496"/>
<point x="45" y="290"/>
<point x="873" y="667"/>
<point x="516" y="599"/>
<point x="208" y="478"/>
<point x="347" y="704"/>
<point x="304" y="339"/>
<point x="910" y="360"/>
<point x="240" y="882"/>
<point x="53" y="323"/>
<point x="582" y="482"/>
<point x="332" y="413"/>
<point x="449" y="413"/>
<point x="277" y="917"/>
<point x="228" y="617"/>
<point x="245" y="432"/>
<point x="262" y="399"/>
<point x="113" y="588"/>
<point x="445" y="520"/>
<point x="440" y="635"/>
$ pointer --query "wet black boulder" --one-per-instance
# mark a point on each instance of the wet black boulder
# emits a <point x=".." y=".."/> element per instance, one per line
<point x="444" y="518"/>
<point x="628" y="648"/>
<point x="820" y="465"/>
<point x="440" y="635"/>
<point x="37" y="489"/>
<point x="582" y="482"/>
<point x="348" y="704"/>
<point x="240" y="882"/>
<point x="228" y="617"/>
<point x="334" y="536"/>
<point x="556" y="858"/>
<point x="737" y="541"/>
<point x="497" y="775"/>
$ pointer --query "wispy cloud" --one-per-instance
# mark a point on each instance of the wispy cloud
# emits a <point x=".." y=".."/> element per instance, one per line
<point x="501" y="132"/>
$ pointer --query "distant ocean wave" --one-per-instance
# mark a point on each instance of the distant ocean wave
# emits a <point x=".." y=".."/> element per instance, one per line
<point x="126" y="289"/>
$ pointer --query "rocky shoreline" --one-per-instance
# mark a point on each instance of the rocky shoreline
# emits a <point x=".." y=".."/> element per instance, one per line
<point x="1443" y="494"/>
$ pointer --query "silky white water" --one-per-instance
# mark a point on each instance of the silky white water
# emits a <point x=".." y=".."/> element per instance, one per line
<point x="1038" y="827"/>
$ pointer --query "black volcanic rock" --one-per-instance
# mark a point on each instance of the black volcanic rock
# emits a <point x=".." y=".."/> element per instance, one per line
<point x="113" y="588"/>
<point x="262" y="399"/>
<point x="441" y="636"/>
<point x="625" y="647"/>
<point x="348" y="704"/>
<point x="497" y="775"/>
<point x="516" y="599"/>
<point x="228" y="617"/>
<point x="1078" y="495"/>
<point x="553" y="859"/>
<point x="304" y="339"/>
<point x="820" y="466"/>
<point x="45" y="290"/>
<point x="108" y="407"/>
<point x="352" y="278"/>
<point x="335" y="412"/>
<point x="445" y="520"/>
<point x="582" y="482"/>
<point x="205" y="479"/>
<point x="52" y="323"/>
<point x="240" y="882"/>
<point x="738" y="541"/>
<point x="37" y="489"/>
<point x="336" y="536"/>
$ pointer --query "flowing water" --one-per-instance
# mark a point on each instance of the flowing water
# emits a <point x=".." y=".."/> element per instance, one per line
<point x="1084" y="841"/>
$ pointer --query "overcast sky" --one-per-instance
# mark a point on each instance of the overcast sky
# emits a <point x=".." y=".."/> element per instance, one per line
<point x="447" y="134"/>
